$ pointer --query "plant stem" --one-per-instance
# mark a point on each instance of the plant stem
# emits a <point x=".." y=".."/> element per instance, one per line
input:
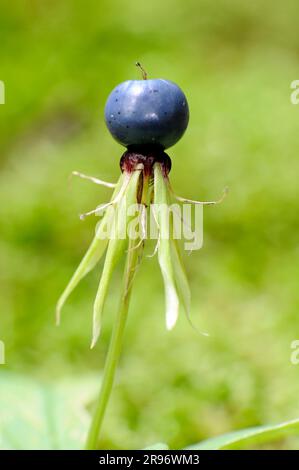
<point x="114" y="350"/>
<point x="133" y="257"/>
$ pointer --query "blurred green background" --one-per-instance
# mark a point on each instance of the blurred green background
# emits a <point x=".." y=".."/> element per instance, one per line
<point x="235" y="61"/>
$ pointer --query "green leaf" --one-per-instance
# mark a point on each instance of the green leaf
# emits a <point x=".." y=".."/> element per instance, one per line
<point x="92" y="256"/>
<point x="116" y="249"/>
<point x="41" y="416"/>
<point x="249" y="436"/>
<point x="164" y="247"/>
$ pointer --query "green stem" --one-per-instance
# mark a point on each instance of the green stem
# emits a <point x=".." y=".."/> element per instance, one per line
<point x="133" y="256"/>
<point x="114" y="351"/>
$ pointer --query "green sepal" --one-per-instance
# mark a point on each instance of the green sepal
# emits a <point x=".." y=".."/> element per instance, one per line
<point x="116" y="248"/>
<point x="92" y="256"/>
<point x="161" y="208"/>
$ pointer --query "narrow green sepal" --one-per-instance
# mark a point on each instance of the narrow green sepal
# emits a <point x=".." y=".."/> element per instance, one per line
<point x="116" y="248"/>
<point x="164" y="247"/>
<point x="92" y="256"/>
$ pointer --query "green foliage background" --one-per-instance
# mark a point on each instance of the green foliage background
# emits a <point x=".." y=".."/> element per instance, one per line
<point x="235" y="61"/>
